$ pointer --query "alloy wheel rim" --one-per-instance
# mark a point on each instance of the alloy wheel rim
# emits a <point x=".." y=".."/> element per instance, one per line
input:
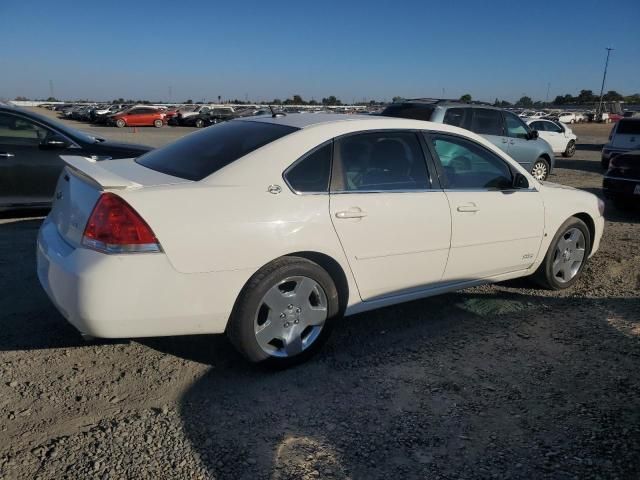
<point x="572" y="148"/>
<point x="569" y="255"/>
<point x="539" y="171"/>
<point x="290" y="316"/>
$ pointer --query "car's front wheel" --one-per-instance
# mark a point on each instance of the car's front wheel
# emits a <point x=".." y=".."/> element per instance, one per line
<point x="284" y="313"/>
<point x="540" y="169"/>
<point x="157" y="123"/>
<point x="570" y="150"/>
<point x="120" y="123"/>
<point x="566" y="257"/>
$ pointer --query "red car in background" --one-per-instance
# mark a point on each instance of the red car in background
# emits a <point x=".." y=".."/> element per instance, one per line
<point x="139" y="117"/>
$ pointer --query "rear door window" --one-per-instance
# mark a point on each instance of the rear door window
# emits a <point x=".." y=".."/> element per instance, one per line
<point x="487" y="122"/>
<point x="200" y="154"/>
<point x="628" y="127"/>
<point x="379" y="162"/>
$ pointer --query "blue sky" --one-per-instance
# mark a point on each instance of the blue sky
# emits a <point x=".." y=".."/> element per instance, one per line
<point x="351" y="49"/>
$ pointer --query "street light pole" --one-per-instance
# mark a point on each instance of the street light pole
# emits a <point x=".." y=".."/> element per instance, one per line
<point x="604" y="77"/>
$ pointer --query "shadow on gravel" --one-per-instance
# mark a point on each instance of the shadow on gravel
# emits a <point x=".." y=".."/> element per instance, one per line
<point x="29" y="321"/>
<point x="581" y="165"/>
<point x="591" y="147"/>
<point x="464" y="385"/>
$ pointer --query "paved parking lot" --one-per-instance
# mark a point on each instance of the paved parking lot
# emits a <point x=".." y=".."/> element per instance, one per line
<point x="501" y="381"/>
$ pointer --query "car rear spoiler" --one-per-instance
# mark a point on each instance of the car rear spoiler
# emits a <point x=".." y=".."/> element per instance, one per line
<point x="90" y="169"/>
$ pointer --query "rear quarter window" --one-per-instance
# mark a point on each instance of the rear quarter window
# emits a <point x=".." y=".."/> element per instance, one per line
<point x="200" y="154"/>
<point x="628" y="127"/>
<point x="409" y="110"/>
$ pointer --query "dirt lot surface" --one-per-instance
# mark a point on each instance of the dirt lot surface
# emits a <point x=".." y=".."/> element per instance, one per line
<point x="500" y="381"/>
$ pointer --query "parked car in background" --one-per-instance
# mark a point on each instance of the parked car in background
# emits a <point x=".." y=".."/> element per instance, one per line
<point x="631" y="114"/>
<point x="140" y="116"/>
<point x="502" y="128"/>
<point x="401" y="210"/>
<point x="559" y="136"/>
<point x="581" y="117"/>
<point x="624" y="137"/>
<point x="30" y="149"/>
<point x="567" y="117"/>
<point x="621" y="183"/>
<point x="208" y="116"/>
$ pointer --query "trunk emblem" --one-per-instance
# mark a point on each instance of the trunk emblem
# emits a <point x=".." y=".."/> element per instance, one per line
<point x="274" y="189"/>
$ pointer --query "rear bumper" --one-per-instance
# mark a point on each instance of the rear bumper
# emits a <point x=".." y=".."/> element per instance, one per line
<point x="609" y="153"/>
<point x="618" y="187"/>
<point x="135" y="295"/>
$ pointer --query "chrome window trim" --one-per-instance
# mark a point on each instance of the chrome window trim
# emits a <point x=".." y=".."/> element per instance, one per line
<point x="637" y="180"/>
<point x="350" y="192"/>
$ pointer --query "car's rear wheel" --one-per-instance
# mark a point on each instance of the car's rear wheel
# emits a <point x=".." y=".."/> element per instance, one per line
<point x="199" y="123"/>
<point x="284" y="313"/>
<point x="540" y="169"/>
<point x="570" y="150"/>
<point x="120" y="123"/>
<point x="566" y="257"/>
<point x="157" y="123"/>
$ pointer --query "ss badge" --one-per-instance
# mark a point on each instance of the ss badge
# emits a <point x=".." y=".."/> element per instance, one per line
<point x="275" y="189"/>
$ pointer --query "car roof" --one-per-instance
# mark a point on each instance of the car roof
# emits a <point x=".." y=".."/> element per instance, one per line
<point x="304" y="120"/>
<point x="445" y="102"/>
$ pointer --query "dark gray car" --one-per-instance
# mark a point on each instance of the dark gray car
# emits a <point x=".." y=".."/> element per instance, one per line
<point x="502" y="128"/>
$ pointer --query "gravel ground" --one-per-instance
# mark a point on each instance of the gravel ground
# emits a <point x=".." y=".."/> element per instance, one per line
<point x="500" y="381"/>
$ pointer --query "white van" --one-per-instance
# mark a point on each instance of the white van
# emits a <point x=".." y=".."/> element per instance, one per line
<point x="624" y="137"/>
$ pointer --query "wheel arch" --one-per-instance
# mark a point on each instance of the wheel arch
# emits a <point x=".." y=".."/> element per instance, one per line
<point x="591" y="225"/>
<point x="335" y="271"/>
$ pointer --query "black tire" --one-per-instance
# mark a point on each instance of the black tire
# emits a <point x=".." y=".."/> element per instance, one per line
<point x="540" y="165"/>
<point x="544" y="275"/>
<point x="199" y="123"/>
<point x="570" y="151"/>
<point x="120" y="123"/>
<point x="240" y="328"/>
<point x="158" y="123"/>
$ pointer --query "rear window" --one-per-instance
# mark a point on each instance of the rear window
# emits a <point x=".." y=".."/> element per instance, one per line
<point x="200" y="154"/>
<point x="409" y="110"/>
<point x="628" y="127"/>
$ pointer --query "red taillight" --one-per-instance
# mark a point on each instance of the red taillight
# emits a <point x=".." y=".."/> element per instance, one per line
<point x="115" y="227"/>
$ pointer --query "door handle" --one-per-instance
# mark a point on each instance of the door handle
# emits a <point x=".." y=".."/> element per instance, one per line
<point x="469" y="207"/>
<point x="6" y="154"/>
<point x="351" y="213"/>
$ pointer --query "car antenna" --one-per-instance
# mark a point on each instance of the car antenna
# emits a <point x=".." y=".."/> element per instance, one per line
<point x="275" y="114"/>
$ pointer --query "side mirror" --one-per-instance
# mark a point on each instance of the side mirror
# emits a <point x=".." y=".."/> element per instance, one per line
<point x="533" y="134"/>
<point x="54" y="142"/>
<point x="520" y="181"/>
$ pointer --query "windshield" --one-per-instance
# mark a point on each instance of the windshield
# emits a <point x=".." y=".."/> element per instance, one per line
<point x="200" y="154"/>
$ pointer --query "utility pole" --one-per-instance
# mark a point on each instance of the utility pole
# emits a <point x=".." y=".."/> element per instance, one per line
<point x="604" y="77"/>
<point x="51" y="93"/>
<point x="548" y="88"/>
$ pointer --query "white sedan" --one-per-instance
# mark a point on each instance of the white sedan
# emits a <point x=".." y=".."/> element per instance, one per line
<point x="271" y="229"/>
<point x="559" y="136"/>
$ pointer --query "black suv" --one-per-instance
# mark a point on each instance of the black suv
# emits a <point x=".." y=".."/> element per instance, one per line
<point x="30" y="149"/>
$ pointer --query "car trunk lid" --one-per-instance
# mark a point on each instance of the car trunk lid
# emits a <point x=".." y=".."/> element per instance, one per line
<point x="83" y="181"/>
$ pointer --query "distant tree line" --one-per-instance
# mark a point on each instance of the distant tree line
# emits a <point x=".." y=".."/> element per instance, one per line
<point x="585" y="97"/>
